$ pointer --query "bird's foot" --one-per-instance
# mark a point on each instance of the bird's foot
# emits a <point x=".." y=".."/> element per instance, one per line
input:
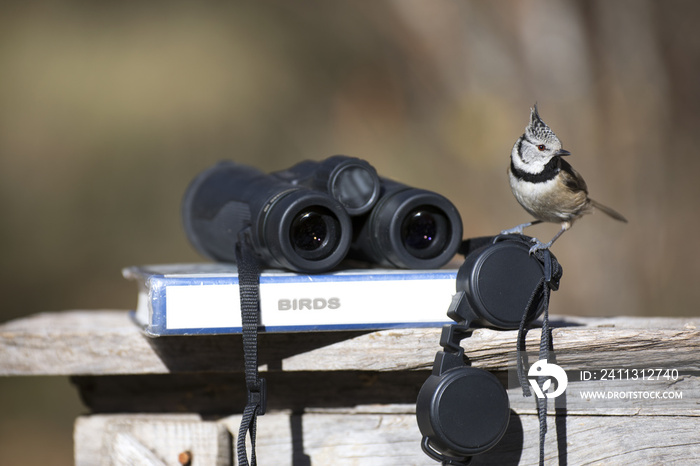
<point x="516" y="230"/>
<point x="539" y="245"/>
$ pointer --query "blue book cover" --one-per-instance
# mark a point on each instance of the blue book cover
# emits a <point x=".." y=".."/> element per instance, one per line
<point x="197" y="299"/>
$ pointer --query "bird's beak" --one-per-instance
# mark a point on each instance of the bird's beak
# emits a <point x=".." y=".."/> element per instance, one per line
<point x="562" y="152"/>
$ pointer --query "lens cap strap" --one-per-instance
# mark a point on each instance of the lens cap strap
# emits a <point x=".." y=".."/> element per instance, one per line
<point x="249" y="291"/>
<point x="550" y="281"/>
<point x="545" y="344"/>
<point x="522" y="332"/>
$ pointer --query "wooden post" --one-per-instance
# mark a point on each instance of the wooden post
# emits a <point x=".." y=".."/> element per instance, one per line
<point x="346" y="398"/>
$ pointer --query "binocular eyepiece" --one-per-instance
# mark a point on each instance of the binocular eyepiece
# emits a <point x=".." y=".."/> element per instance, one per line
<point x="313" y="215"/>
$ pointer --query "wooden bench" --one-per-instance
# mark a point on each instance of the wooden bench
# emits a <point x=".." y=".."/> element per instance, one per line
<point x="345" y="398"/>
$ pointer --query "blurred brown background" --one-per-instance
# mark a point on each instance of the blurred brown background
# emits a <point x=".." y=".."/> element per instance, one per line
<point x="108" y="109"/>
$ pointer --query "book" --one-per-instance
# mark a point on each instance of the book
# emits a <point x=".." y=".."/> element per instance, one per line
<point x="196" y="299"/>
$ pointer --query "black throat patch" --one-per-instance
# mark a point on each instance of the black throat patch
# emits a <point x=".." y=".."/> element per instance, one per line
<point x="550" y="171"/>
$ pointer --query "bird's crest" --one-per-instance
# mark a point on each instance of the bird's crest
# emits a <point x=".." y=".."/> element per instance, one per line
<point x="538" y="130"/>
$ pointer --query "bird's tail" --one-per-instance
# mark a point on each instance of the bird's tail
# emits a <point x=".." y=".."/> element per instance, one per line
<point x="607" y="210"/>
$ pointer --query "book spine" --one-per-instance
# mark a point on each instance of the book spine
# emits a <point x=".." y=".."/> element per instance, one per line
<point x="211" y="305"/>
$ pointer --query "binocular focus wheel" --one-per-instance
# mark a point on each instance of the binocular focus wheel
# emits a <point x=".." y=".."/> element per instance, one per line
<point x="463" y="412"/>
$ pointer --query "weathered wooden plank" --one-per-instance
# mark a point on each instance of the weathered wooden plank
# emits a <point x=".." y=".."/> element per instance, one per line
<point x="107" y="342"/>
<point x="385" y="438"/>
<point x="150" y="440"/>
<point x="633" y="398"/>
<point x="578" y="347"/>
<point x="90" y="342"/>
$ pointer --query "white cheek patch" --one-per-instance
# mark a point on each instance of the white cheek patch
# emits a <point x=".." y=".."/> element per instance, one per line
<point x="534" y="165"/>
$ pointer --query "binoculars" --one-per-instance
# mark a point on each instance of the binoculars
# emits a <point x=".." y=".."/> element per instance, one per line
<point x="315" y="214"/>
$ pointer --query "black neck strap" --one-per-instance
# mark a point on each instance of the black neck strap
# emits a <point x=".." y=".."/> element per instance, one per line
<point x="249" y="289"/>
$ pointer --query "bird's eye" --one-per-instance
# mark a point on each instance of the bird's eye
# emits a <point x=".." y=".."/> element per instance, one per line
<point x="541" y="147"/>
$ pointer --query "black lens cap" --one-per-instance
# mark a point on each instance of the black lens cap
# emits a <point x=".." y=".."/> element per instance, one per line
<point x="499" y="280"/>
<point x="355" y="185"/>
<point x="463" y="412"/>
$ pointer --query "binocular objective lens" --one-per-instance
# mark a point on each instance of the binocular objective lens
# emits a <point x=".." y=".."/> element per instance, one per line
<point x="314" y="234"/>
<point x="424" y="232"/>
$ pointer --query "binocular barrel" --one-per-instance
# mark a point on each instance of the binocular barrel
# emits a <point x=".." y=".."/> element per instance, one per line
<point x="408" y="228"/>
<point x="292" y="227"/>
<point x="309" y="217"/>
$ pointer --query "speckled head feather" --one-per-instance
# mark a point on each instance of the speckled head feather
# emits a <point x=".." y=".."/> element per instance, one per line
<point x="538" y="130"/>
